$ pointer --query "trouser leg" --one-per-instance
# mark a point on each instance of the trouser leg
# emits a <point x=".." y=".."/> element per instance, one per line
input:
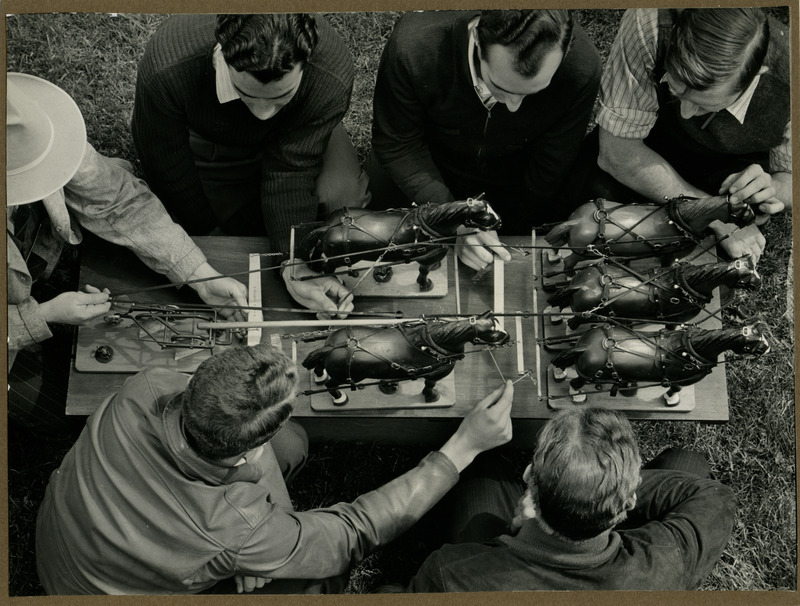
<point x="681" y="459"/>
<point x="37" y="387"/>
<point x="341" y="181"/>
<point x="482" y="504"/>
<point x="385" y="194"/>
<point x="290" y="445"/>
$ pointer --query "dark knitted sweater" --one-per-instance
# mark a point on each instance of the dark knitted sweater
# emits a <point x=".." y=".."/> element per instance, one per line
<point x="176" y="93"/>
<point x="706" y="152"/>
<point x="437" y="140"/>
<point x="671" y="541"/>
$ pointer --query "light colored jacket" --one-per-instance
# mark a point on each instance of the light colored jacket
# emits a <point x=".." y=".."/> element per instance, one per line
<point x="106" y="198"/>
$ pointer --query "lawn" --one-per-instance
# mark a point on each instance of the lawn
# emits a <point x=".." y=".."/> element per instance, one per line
<point x="94" y="58"/>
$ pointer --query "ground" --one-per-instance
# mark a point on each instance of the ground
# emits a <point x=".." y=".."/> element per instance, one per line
<point x="94" y="57"/>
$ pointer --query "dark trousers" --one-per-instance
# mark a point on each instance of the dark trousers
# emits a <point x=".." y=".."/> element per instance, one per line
<point x="232" y="177"/>
<point x="482" y="504"/>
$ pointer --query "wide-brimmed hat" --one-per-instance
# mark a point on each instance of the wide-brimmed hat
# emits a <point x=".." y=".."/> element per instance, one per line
<point x="45" y="138"/>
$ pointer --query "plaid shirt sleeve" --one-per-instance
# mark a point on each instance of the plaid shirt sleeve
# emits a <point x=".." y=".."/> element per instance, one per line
<point x="628" y="101"/>
<point x="780" y="157"/>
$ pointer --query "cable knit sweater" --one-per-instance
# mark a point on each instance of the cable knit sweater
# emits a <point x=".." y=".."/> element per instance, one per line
<point x="176" y="93"/>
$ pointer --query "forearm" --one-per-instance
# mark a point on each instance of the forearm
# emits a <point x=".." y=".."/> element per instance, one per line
<point x="634" y="164"/>
<point x="111" y="202"/>
<point x="326" y="542"/>
<point x="783" y="188"/>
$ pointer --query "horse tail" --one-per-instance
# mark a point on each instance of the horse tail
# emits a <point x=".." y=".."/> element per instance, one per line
<point x="563" y="296"/>
<point x="559" y="235"/>
<point x="567" y="358"/>
<point x="317" y="357"/>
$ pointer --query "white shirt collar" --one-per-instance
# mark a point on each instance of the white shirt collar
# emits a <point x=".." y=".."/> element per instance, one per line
<point x="225" y="89"/>
<point x="738" y="109"/>
<point x="478" y="84"/>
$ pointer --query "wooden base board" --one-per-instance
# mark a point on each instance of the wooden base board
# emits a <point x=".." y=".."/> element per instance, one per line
<point x="402" y="284"/>
<point x="132" y="354"/>
<point x="647" y="399"/>
<point x="408" y="396"/>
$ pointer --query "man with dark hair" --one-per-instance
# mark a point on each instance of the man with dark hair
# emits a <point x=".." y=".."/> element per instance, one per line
<point x="587" y="519"/>
<point x="237" y="122"/>
<point x="493" y="103"/>
<point x="178" y="485"/>
<point x="697" y="102"/>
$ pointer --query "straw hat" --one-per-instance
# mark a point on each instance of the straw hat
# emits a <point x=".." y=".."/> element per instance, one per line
<point x="45" y="138"/>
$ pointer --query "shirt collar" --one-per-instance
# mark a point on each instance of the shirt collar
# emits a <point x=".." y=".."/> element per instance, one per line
<point x="191" y="463"/>
<point x="225" y="89"/>
<point x="472" y="56"/>
<point x="738" y="109"/>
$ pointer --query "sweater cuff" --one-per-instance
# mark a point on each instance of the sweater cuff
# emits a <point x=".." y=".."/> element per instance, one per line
<point x="183" y="269"/>
<point x="27" y="326"/>
<point x="441" y="460"/>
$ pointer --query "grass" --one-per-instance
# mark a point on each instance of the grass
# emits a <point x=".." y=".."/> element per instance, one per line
<point x="94" y="58"/>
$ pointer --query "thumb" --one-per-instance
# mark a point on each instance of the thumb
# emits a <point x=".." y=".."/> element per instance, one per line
<point x="491" y="398"/>
<point x="93" y="298"/>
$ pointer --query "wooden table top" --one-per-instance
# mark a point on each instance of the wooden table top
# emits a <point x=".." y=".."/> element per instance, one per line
<point x="107" y="266"/>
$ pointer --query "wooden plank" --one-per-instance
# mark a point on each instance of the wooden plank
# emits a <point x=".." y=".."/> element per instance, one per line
<point x="254" y="298"/>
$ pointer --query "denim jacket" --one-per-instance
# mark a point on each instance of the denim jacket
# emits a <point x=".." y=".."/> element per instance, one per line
<point x="106" y="198"/>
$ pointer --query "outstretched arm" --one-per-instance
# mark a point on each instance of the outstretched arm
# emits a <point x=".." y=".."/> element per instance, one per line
<point x="322" y="543"/>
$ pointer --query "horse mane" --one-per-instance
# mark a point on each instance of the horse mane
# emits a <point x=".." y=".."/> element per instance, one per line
<point x="694" y="215"/>
<point x="445" y="217"/>
<point x="700" y="280"/>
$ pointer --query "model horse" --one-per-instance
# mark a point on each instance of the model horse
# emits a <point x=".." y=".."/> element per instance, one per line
<point x="675" y="294"/>
<point x="635" y="231"/>
<point x="428" y="350"/>
<point x="620" y="356"/>
<point x="418" y="234"/>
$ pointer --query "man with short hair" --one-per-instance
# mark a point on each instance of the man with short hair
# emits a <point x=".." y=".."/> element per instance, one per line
<point x="492" y="102"/>
<point x="237" y="122"/>
<point x="697" y="102"/>
<point x="587" y="519"/>
<point x="177" y="486"/>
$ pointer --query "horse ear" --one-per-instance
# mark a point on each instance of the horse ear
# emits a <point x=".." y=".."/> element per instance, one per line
<point x="486" y="314"/>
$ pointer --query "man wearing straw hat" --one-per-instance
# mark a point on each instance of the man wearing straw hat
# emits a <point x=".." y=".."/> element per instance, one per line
<point x="56" y="184"/>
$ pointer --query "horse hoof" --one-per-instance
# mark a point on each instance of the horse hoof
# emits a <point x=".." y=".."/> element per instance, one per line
<point x="321" y="378"/>
<point x="382" y="274"/>
<point x="341" y="400"/>
<point x="553" y="257"/>
<point x="426" y="286"/>
<point x="672" y="400"/>
<point x="431" y="397"/>
<point x="555" y="316"/>
<point x="559" y="374"/>
<point x="629" y="391"/>
<point x="578" y="397"/>
<point x="388" y="387"/>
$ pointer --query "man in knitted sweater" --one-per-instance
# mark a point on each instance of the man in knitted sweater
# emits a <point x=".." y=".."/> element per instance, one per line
<point x="588" y="518"/>
<point x="237" y="122"/>
<point x="496" y="102"/>
<point x="697" y="102"/>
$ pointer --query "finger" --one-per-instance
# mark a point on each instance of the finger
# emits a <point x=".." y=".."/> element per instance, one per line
<point x="771" y="207"/>
<point x="745" y="177"/>
<point x="469" y="258"/>
<point x="92" y="298"/>
<point x="726" y="184"/>
<point x="491" y="398"/>
<point x="758" y="190"/>
<point x="489" y="238"/>
<point x="239" y="293"/>
<point x="260" y="582"/>
<point x="484" y="255"/>
<point x="335" y="289"/>
<point x="238" y="580"/>
<point x="249" y="584"/>
<point x="90" y="288"/>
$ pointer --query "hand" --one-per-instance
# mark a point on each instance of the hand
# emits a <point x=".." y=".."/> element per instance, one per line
<point x="246" y="583"/>
<point x="325" y="294"/>
<point x="76" y="308"/>
<point x="223" y="292"/>
<point x="745" y="241"/>
<point x="486" y="426"/>
<point x="475" y="250"/>
<point x="753" y="186"/>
